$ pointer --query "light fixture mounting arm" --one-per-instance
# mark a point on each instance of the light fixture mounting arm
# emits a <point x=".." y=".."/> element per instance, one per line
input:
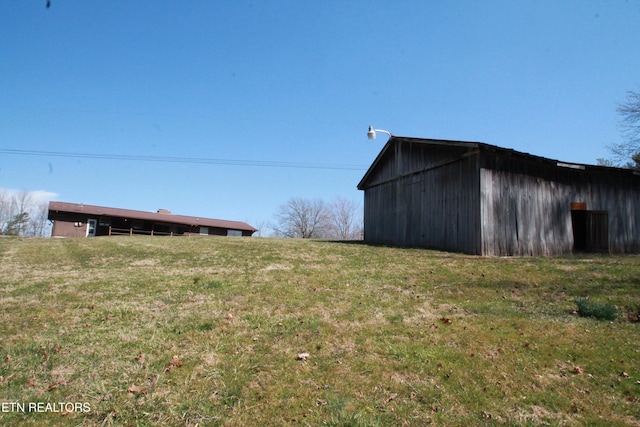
<point x="372" y="132"/>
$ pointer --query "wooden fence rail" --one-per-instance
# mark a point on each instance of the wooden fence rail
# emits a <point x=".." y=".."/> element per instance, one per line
<point x="131" y="231"/>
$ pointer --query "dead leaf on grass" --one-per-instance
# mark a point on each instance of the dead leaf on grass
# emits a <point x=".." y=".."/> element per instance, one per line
<point x="175" y="361"/>
<point x="136" y="389"/>
<point x="45" y="353"/>
<point x="302" y="356"/>
<point x="445" y="320"/>
<point x="391" y="397"/>
<point x="59" y="383"/>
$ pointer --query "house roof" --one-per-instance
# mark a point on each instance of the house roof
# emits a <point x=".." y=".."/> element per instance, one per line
<point x="485" y="147"/>
<point x="148" y="216"/>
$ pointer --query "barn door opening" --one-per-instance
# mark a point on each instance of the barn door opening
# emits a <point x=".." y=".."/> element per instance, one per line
<point x="579" y="224"/>
<point x="590" y="229"/>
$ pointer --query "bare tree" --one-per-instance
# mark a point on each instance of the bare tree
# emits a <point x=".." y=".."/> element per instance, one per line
<point x="301" y="218"/>
<point x="16" y="224"/>
<point x="22" y="203"/>
<point x="23" y="213"/>
<point x="260" y="225"/>
<point x="38" y="219"/>
<point x="345" y="219"/>
<point x="5" y="209"/>
<point x="627" y="153"/>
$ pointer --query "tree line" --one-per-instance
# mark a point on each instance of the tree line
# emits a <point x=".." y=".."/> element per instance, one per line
<point x="22" y="215"/>
<point x="339" y="219"/>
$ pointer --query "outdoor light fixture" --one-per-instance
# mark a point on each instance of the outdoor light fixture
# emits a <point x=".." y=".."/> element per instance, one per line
<point x="372" y="132"/>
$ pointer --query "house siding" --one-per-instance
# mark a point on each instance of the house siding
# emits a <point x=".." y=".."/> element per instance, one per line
<point x="69" y="229"/>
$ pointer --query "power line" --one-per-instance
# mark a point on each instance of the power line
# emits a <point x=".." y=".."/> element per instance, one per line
<point x="165" y="159"/>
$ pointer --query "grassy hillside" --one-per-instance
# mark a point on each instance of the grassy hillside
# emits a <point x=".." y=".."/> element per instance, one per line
<point x="246" y="332"/>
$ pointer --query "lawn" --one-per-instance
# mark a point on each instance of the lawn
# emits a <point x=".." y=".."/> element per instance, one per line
<point x="162" y="331"/>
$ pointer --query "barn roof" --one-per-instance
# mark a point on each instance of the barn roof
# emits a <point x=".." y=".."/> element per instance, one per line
<point x="160" y="216"/>
<point x="483" y="147"/>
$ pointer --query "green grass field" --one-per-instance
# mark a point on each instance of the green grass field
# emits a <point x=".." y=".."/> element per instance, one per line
<point x="137" y="331"/>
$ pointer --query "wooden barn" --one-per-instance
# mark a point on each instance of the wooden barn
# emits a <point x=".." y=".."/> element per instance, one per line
<point x="80" y="220"/>
<point x="481" y="199"/>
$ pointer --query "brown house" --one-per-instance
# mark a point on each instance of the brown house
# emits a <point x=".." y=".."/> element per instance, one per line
<point x="481" y="199"/>
<point x="79" y="220"/>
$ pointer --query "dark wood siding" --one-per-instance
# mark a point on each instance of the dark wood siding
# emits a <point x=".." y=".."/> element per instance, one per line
<point x="524" y="215"/>
<point x="405" y="158"/>
<point x="526" y="207"/>
<point x="425" y="197"/>
<point x="481" y="199"/>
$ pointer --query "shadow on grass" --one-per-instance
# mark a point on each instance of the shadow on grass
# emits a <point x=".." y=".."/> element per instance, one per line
<point x="436" y="252"/>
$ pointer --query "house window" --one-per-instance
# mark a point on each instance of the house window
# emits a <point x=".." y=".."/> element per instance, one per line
<point x="204" y="231"/>
<point x="235" y="233"/>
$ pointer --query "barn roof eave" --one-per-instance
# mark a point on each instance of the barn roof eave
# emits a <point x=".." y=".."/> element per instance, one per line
<point x="362" y="185"/>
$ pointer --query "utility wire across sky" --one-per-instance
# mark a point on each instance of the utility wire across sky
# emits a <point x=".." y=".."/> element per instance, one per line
<point x="167" y="159"/>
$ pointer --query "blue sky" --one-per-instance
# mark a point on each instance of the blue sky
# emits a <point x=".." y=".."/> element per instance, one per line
<point x="294" y="85"/>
